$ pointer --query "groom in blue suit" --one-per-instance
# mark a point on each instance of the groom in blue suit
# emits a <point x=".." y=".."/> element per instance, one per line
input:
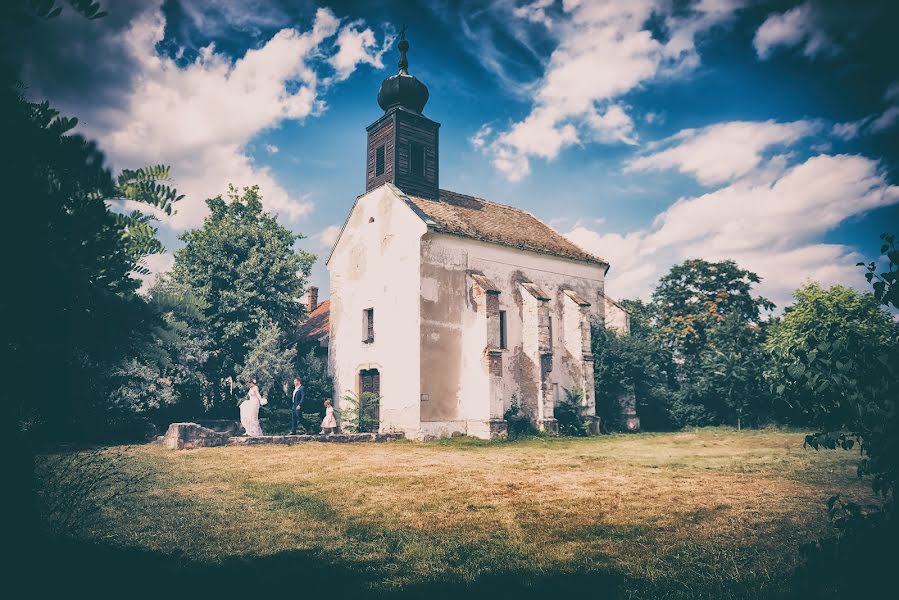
<point x="296" y="404"/>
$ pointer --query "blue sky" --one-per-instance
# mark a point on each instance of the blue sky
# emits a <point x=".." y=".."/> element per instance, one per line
<point x="648" y="131"/>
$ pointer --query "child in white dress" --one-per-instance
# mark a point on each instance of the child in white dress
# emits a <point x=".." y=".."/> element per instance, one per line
<point x="329" y="423"/>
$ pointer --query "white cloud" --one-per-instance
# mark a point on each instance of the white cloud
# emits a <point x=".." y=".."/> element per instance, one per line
<point x="795" y="27"/>
<point x="613" y="125"/>
<point x="721" y="152"/>
<point x="357" y="46"/>
<point x="654" y="117"/>
<point x="886" y="120"/>
<point x="604" y="51"/>
<point x="850" y="129"/>
<point x="479" y="139"/>
<point x="201" y="117"/>
<point x="772" y="227"/>
<point x="535" y="12"/>
<point x="872" y="123"/>
<point x="272" y="149"/>
<point x="328" y="235"/>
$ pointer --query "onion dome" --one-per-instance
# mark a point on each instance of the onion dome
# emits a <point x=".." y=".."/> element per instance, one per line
<point x="403" y="90"/>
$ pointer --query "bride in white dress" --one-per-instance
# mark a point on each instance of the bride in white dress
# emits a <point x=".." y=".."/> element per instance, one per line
<point x="249" y="411"/>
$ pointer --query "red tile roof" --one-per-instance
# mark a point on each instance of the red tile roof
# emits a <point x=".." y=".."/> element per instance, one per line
<point x="480" y="219"/>
<point x="318" y="323"/>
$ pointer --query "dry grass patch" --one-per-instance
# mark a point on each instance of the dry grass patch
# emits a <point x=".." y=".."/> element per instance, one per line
<point x="708" y="513"/>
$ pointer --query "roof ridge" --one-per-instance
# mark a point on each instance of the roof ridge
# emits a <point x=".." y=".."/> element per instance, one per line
<point x="494" y="202"/>
<point x="530" y="214"/>
<point x="458" y="217"/>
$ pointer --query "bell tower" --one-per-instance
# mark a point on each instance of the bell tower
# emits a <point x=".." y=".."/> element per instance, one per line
<point x="403" y="143"/>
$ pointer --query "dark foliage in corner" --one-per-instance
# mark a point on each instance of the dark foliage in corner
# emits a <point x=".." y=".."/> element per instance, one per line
<point x="844" y="364"/>
<point x="518" y="423"/>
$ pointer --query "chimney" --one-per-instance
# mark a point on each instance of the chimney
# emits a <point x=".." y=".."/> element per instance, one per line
<point x="312" y="300"/>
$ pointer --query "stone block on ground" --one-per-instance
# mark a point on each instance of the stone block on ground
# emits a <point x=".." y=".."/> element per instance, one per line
<point x="185" y="436"/>
<point x="229" y="426"/>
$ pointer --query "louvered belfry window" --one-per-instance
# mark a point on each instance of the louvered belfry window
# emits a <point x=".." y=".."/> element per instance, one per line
<point x="417" y="159"/>
<point x="379" y="160"/>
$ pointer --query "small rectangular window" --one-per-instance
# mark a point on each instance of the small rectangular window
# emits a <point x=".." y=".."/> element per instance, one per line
<point x="379" y="160"/>
<point x="550" y="323"/>
<point x="368" y="325"/>
<point x="502" y="330"/>
<point x="417" y="159"/>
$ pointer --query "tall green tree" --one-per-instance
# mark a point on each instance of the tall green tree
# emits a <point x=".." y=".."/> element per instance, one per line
<point x="243" y="266"/>
<point x="318" y="384"/>
<point x="75" y="309"/>
<point x="730" y="379"/>
<point x="270" y="362"/>
<point x="697" y="295"/>
<point x="837" y="360"/>
<point x="707" y="320"/>
<point x="633" y="363"/>
<point x="833" y="357"/>
<point x="164" y="380"/>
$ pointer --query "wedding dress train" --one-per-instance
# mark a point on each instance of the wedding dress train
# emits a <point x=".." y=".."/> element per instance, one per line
<point x="249" y="413"/>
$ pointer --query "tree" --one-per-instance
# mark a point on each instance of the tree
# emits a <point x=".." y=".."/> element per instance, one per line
<point x="885" y="289"/>
<point x="837" y="359"/>
<point x="164" y="379"/>
<point x="635" y="364"/>
<point x="242" y="265"/>
<point x="270" y="362"/>
<point x="317" y="383"/>
<point x="696" y="296"/>
<point x="730" y="378"/>
<point x="834" y="356"/>
<point x="689" y="306"/>
<point x="75" y="309"/>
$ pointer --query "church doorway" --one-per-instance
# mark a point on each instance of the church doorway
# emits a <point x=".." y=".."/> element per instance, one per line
<point x="369" y="399"/>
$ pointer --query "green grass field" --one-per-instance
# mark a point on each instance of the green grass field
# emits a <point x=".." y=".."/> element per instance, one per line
<point x="708" y="513"/>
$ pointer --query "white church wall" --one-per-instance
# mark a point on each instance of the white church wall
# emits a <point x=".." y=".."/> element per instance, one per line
<point x="376" y="264"/>
<point x="461" y="329"/>
<point x="616" y="317"/>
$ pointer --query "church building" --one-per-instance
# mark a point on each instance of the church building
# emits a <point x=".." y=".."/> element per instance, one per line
<point x="449" y="306"/>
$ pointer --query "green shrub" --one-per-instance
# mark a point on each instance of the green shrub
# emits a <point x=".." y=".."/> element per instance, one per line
<point x="518" y="423"/>
<point x="359" y="414"/>
<point x="569" y="414"/>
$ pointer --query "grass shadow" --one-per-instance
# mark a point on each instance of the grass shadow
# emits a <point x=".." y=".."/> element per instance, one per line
<point x="66" y="567"/>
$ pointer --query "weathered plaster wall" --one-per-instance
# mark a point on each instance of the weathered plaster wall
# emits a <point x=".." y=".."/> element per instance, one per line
<point x="376" y="264"/>
<point x="616" y="317"/>
<point x="461" y="393"/>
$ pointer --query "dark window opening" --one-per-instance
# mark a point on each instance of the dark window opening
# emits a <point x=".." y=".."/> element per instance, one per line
<point x="417" y="159"/>
<point x="368" y="325"/>
<point x="370" y="382"/>
<point x="550" y="324"/>
<point x="379" y="160"/>
<point x="369" y="410"/>
<point x="502" y="330"/>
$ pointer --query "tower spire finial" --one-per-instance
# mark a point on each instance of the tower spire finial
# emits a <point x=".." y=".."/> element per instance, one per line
<point x="403" y="48"/>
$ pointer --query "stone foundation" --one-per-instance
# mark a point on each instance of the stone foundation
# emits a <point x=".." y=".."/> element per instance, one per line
<point x="550" y="426"/>
<point x="499" y="429"/>
<point x="290" y="440"/>
<point x="221" y="426"/>
<point x="185" y="436"/>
